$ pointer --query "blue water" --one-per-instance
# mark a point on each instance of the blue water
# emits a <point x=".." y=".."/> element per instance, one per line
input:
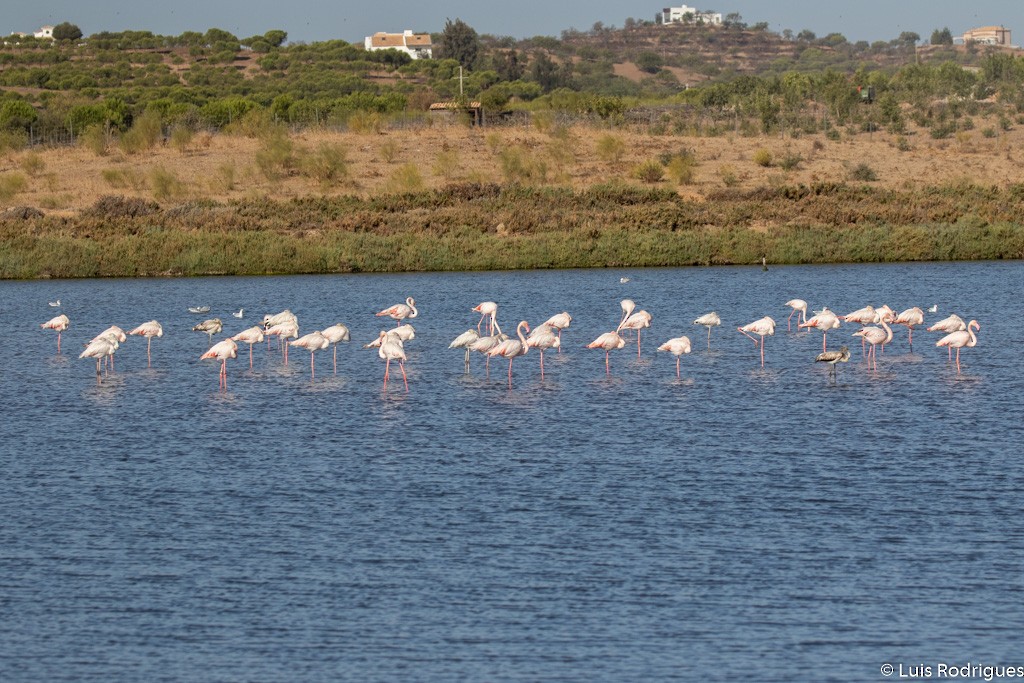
<point x="736" y="524"/>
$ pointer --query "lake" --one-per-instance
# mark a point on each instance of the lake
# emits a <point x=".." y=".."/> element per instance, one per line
<point x="738" y="523"/>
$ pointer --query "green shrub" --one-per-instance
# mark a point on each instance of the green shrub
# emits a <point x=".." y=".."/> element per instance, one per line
<point x="33" y="164"/>
<point x="95" y="139"/>
<point x="389" y="151"/>
<point x="988" y="132"/>
<point x="277" y="155"/>
<point x="649" y="172"/>
<point x="181" y="138"/>
<point x="144" y="134"/>
<point x="406" y="178"/>
<point x="365" y="122"/>
<point x="446" y="165"/>
<point x="863" y="172"/>
<point x="790" y="161"/>
<point x="902" y="144"/>
<point x="165" y="184"/>
<point x="124" y="179"/>
<point x="610" y="149"/>
<point x="728" y="175"/>
<point x="326" y="164"/>
<point x="10" y="185"/>
<point x="223" y="180"/>
<point x="12" y="141"/>
<point x="763" y="158"/>
<point x="681" y="169"/>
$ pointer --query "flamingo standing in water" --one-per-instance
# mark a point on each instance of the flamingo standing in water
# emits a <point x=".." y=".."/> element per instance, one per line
<point x="708" y="320"/>
<point x="959" y="339"/>
<point x="765" y="327"/>
<point x="60" y="323"/>
<point x="210" y="327"/>
<point x="798" y="306"/>
<point x="285" y="316"/>
<point x="677" y="347"/>
<point x="115" y="333"/>
<point x="334" y="334"/>
<point x="559" y="321"/>
<point x="284" y="331"/>
<point x="99" y="348"/>
<point x="253" y="335"/>
<point x="399" y="312"/>
<point x="823" y="320"/>
<point x="910" y="318"/>
<point x="485" y="344"/>
<point x="607" y="342"/>
<point x="512" y="348"/>
<point x="543" y="338"/>
<point x="487" y="308"/>
<point x="148" y="330"/>
<point x="875" y="336"/>
<point x="950" y="324"/>
<point x="312" y="342"/>
<point x="833" y="357"/>
<point x="221" y="351"/>
<point x="634" y="321"/>
<point x="389" y="348"/>
<point x="464" y="341"/>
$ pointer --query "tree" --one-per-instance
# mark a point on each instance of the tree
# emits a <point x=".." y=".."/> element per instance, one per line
<point x="651" y="62"/>
<point x="460" y="42"/>
<point x="806" y="35"/>
<point x="508" y="66"/>
<point x="734" y="19"/>
<point x="943" y="37"/>
<point x="66" y="31"/>
<point x="275" y="37"/>
<point x="909" y="38"/>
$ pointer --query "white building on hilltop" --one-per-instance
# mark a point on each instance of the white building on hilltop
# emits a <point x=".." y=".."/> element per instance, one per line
<point x="416" y="45"/>
<point x="44" y="32"/>
<point x="692" y="15"/>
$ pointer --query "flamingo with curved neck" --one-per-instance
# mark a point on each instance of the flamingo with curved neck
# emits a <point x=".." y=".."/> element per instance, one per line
<point x="875" y="337"/>
<point x="958" y="340"/>
<point x="512" y="348"/>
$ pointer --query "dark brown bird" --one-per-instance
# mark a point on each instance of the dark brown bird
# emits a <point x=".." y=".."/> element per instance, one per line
<point x="833" y="357"/>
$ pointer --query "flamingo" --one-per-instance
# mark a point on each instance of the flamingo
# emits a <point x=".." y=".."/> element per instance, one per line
<point x="708" y="320"/>
<point x="60" y="323"/>
<point x="285" y="316"/>
<point x="798" y="305"/>
<point x="390" y="348"/>
<point x="210" y="327"/>
<point x="100" y="348"/>
<point x="833" y="357"/>
<point x="284" y="331"/>
<point x="950" y="324"/>
<point x="250" y="336"/>
<point x="910" y="318"/>
<point x="677" y="347"/>
<point x="634" y="321"/>
<point x="959" y="339"/>
<point x="148" y="330"/>
<point x="543" y="338"/>
<point x="606" y="342"/>
<point x="559" y="321"/>
<point x="336" y="333"/>
<point x="312" y="342"/>
<point x="221" y="351"/>
<point x="405" y="332"/>
<point x="862" y="316"/>
<point x="485" y="344"/>
<point x="875" y="336"/>
<point x="763" y="327"/>
<point x="487" y="308"/>
<point x="399" y="312"/>
<point x="114" y="333"/>
<point x="823" y="320"/>
<point x="463" y="341"/>
<point x="512" y="348"/>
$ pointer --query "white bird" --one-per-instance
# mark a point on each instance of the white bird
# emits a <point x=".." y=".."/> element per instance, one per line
<point x="210" y="327"/>
<point x="241" y="312"/>
<point x="485" y="309"/>
<point x="112" y="333"/>
<point x="634" y="321"/>
<point x="485" y="344"/>
<point x="58" y="324"/>
<point x="960" y="339"/>
<point x="463" y="341"/>
<point x="623" y="280"/>
<point x="399" y="312"/>
<point x="934" y="308"/>
<point x="198" y="309"/>
<point x="607" y="342"/>
<point x="100" y="348"/>
<point x="284" y="331"/>
<point x="798" y="305"/>
<point x="312" y="342"/>
<point x="222" y="351"/>
<point x="763" y="327"/>
<point x="543" y="338"/>
<point x="284" y="316"/>
<point x="336" y="333"/>
<point x="405" y="332"/>
<point x="55" y="304"/>
<point x="708" y="320"/>
<point x="677" y="347"/>
<point x="950" y="324"/>
<point x="390" y="348"/>
<point x="253" y="335"/>
<point x="148" y="330"/>
<point x="512" y="348"/>
<point x="559" y="321"/>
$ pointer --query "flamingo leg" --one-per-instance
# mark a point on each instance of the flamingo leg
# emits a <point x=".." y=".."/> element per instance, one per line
<point x="335" y="359"/>
<point x="510" y="373"/>
<point x="58" y="343"/>
<point x="607" y="366"/>
<point x="405" y="379"/>
<point x="789" y="326"/>
<point x="824" y="342"/>
<point x="677" y="367"/>
<point x="312" y="365"/>
<point x="387" y="369"/>
<point x="638" y="343"/>
<point x="741" y="330"/>
<point x="911" y="338"/>
<point x="250" y="356"/>
<point x="97" y="369"/>
<point x="149" y="360"/>
<point x="467" y="360"/>
<point x="709" y="336"/>
<point x="958" y="361"/>
<point x="559" y="339"/>
<point x="542" y="363"/>
<point x="762" y="352"/>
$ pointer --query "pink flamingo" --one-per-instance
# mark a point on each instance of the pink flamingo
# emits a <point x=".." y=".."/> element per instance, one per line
<point x="464" y="341"/>
<point x="607" y="342"/>
<point x="709" y="320"/>
<point x="284" y="331"/>
<point x="634" y="321"/>
<point x="99" y="348"/>
<point x="798" y="306"/>
<point x="113" y="332"/>
<point x="221" y="351"/>
<point x="765" y="327"/>
<point x="253" y="335"/>
<point x="559" y="321"/>
<point x="487" y="308"/>
<point x="824" y="320"/>
<point x="959" y="339"/>
<point x="910" y="318"/>
<point x="60" y="323"/>
<point x="389" y="349"/>
<point x="677" y="347"/>
<point x="512" y="348"/>
<point x="312" y="342"/>
<point x="543" y="338"/>
<point x="334" y="334"/>
<point x="950" y="324"/>
<point x="485" y="344"/>
<point x="285" y="316"/>
<point x="148" y="330"/>
<point x="399" y="312"/>
<point x="875" y="337"/>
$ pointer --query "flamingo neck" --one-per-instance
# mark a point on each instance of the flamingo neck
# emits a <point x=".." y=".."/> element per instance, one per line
<point x="888" y="331"/>
<point x="412" y="305"/>
<point x="519" y="332"/>
<point x="970" y="332"/>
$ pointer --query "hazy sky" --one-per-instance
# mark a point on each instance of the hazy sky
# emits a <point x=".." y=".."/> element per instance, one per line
<point x="313" y="20"/>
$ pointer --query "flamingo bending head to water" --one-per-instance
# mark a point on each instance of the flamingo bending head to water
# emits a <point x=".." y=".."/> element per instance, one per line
<point x="222" y="351"/>
<point x="764" y="327"/>
<point x="709" y="320"/>
<point x="798" y="306"/>
<point x="485" y="309"/>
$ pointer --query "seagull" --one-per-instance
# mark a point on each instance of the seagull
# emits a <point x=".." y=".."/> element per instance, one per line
<point x="623" y="280"/>
<point x="241" y="312"/>
<point x="933" y="309"/>
<point x="198" y="309"/>
<point x="55" y="304"/>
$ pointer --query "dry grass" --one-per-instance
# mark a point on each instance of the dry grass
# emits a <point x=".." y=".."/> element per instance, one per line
<point x="82" y="176"/>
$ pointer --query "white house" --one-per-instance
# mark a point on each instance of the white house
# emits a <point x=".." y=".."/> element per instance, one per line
<point x="671" y="15"/>
<point x="44" y="32"/>
<point x="416" y="45"/>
